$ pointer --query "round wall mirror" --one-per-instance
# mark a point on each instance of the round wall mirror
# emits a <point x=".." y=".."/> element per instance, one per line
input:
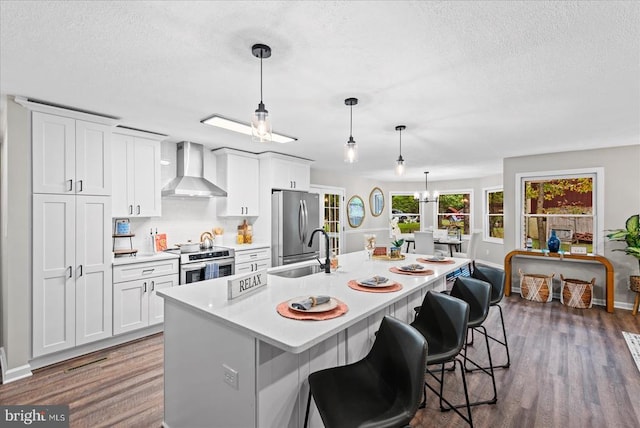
<point x="376" y="201"/>
<point x="355" y="211"/>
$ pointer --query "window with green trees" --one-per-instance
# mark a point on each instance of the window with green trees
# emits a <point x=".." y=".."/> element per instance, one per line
<point x="494" y="215"/>
<point x="407" y="210"/>
<point x="565" y="204"/>
<point x="454" y="211"/>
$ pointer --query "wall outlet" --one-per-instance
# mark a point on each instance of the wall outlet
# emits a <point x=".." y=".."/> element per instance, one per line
<point x="230" y="376"/>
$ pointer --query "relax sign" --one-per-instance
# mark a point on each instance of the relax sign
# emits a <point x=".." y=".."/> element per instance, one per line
<point x="246" y="284"/>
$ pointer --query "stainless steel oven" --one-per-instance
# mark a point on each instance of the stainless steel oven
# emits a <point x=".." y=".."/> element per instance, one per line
<point x="193" y="266"/>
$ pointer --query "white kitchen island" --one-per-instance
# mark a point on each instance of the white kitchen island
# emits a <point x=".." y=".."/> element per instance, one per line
<point x="240" y="364"/>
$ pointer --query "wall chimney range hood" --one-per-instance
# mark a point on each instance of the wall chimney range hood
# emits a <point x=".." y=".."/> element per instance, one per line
<point x="190" y="181"/>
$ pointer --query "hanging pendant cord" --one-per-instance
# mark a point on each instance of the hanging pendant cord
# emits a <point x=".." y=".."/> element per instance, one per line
<point x="401" y="143"/>
<point x="350" y="121"/>
<point x="261" y="54"/>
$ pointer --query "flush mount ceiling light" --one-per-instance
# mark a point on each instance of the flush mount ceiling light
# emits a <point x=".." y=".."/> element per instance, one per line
<point x="426" y="197"/>
<point x="350" y="148"/>
<point x="400" y="161"/>
<point x="260" y="123"/>
<point x="243" y="128"/>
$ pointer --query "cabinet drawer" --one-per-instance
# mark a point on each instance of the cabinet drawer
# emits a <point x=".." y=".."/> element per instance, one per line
<point x="135" y="271"/>
<point x="252" y="266"/>
<point x="245" y="256"/>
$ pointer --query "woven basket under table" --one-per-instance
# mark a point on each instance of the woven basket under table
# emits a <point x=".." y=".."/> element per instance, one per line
<point x="536" y="287"/>
<point x="577" y="293"/>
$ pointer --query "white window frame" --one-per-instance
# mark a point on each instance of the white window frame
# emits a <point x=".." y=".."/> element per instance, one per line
<point x="598" y="190"/>
<point x="455" y="192"/>
<point x="486" y="227"/>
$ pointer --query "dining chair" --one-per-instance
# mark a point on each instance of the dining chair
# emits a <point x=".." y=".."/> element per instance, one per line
<point x="443" y="321"/>
<point x="424" y="242"/>
<point x="381" y="390"/>
<point x="495" y="277"/>
<point x="470" y="253"/>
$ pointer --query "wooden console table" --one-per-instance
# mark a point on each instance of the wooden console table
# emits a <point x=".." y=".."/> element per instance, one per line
<point x="556" y="256"/>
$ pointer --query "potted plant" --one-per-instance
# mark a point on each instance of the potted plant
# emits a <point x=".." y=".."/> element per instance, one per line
<point x="631" y="235"/>
<point x="396" y="246"/>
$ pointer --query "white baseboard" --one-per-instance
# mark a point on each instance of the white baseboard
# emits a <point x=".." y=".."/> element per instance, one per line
<point x="13" y="375"/>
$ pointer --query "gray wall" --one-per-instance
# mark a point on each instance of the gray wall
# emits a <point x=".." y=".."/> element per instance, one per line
<point x="16" y="236"/>
<point x="622" y="199"/>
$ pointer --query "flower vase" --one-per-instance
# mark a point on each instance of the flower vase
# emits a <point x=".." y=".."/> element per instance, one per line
<point x="553" y="244"/>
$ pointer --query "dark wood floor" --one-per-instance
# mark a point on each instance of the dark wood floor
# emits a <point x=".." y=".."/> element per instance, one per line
<point x="570" y="368"/>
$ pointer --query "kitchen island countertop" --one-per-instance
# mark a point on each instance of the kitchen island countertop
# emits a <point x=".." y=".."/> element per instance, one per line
<point x="256" y="316"/>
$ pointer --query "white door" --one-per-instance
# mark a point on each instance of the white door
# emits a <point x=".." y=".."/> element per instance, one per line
<point x="333" y="216"/>
<point x="146" y="179"/>
<point x="93" y="159"/>
<point x="93" y="269"/>
<point x="130" y="305"/>
<point x="121" y="175"/>
<point x="156" y="304"/>
<point x="53" y="153"/>
<point x="54" y="273"/>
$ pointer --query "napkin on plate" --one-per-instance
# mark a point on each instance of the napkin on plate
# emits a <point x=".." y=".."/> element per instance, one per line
<point x="436" y="259"/>
<point x="306" y="304"/>
<point x="375" y="280"/>
<point x="412" y="267"/>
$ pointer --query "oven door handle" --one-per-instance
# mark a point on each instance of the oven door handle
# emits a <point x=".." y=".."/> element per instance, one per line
<point x="192" y="266"/>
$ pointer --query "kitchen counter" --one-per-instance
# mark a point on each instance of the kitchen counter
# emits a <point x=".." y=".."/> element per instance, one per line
<point x="125" y="260"/>
<point x="240" y="247"/>
<point x="239" y="363"/>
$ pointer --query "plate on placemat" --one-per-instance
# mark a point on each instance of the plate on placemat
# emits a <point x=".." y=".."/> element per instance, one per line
<point x="414" y="267"/>
<point x="369" y="282"/>
<point x="324" y="307"/>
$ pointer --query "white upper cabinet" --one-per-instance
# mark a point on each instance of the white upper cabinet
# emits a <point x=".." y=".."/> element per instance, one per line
<point x="136" y="175"/>
<point x="238" y="173"/>
<point x="286" y="172"/>
<point x="70" y="156"/>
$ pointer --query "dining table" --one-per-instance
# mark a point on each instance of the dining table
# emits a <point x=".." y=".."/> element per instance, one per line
<point x="454" y="244"/>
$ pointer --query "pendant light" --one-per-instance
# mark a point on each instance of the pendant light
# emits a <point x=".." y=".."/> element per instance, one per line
<point x="400" y="161"/>
<point x="426" y="197"/>
<point x="350" y="148"/>
<point x="260" y="123"/>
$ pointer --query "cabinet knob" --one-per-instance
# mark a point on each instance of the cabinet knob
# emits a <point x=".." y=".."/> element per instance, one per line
<point x="70" y="185"/>
<point x="79" y="185"/>
<point x="80" y="267"/>
<point x="70" y="271"/>
<point x="153" y="285"/>
<point x="145" y="286"/>
<point x="138" y="209"/>
<point x="130" y="209"/>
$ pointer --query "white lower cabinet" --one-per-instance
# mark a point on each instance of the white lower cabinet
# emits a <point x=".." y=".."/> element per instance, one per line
<point x="135" y="303"/>
<point x="248" y="261"/>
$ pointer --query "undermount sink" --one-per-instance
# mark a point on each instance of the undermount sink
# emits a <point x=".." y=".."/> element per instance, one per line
<point x="298" y="272"/>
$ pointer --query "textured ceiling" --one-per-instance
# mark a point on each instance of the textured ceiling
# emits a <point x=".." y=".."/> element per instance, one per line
<point x="474" y="82"/>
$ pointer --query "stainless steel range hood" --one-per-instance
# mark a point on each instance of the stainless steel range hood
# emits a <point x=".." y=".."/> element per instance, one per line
<point x="190" y="181"/>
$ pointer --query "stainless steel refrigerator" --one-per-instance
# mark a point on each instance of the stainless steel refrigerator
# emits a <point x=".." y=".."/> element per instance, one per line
<point x="294" y="215"/>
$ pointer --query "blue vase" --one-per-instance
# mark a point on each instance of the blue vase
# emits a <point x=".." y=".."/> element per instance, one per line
<point x="553" y="244"/>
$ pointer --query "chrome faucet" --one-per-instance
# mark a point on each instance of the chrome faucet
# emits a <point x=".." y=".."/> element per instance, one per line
<point x="327" y="262"/>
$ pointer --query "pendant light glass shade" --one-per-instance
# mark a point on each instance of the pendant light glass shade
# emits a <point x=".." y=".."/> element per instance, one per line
<point x="260" y="123"/>
<point x="400" y="161"/>
<point x="350" y="147"/>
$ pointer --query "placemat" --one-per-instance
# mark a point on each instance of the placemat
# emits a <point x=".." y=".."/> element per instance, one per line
<point x="395" y="286"/>
<point x="401" y="272"/>
<point x="445" y="261"/>
<point x="283" y="309"/>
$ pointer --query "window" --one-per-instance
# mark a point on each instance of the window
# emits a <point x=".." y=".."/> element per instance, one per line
<point x="454" y="211"/>
<point x="406" y="210"/>
<point x="493" y="213"/>
<point x="565" y="202"/>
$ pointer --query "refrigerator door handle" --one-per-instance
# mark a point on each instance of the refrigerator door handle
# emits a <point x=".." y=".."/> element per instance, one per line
<point x="301" y="221"/>
<point x="306" y="221"/>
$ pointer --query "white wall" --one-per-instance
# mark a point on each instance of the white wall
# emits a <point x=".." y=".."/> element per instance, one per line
<point x="15" y="290"/>
<point x="622" y="199"/>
